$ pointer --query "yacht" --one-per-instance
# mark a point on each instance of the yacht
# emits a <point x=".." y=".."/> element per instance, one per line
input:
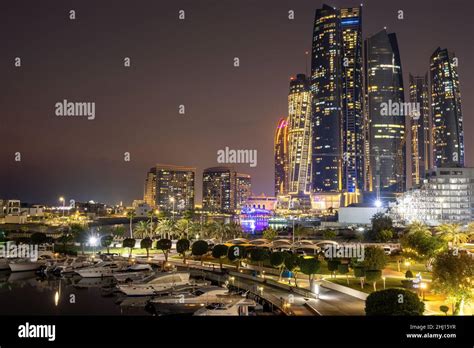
<point x="137" y="272"/>
<point x="190" y="302"/>
<point x="26" y="264"/>
<point x="237" y="308"/>
<point x="102" y="269"/>
<point x="4" y="264"/>
<point x="71" y="264"/>
<point x="159" y="283"/>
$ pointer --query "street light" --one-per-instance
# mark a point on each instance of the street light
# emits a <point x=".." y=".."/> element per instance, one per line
<point x="407" y="264"/>
<point x="63" y="201"/>
<point x="383" y="278"/>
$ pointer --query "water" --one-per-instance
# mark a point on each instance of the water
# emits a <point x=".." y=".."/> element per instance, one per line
<point x="25" y="293"/>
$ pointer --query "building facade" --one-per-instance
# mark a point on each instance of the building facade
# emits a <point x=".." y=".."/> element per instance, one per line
<point x="281" y="157"/>
<point x="170" y="188"/>
<point x="445" y="196"/>
<point x="244" y="189"/>
<point x="385" y="105"/>
<point x="448" y="136"/>
<point x="299" y="136"/>
<point x="421" y="158"/>
<point x="219" y="194"/>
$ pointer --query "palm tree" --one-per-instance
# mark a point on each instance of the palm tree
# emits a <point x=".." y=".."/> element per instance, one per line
<point x="151" y="214"/>
<point x="131" y="215"/>
<point x="165" y="227"/>
<point x="218" y="230"/>
<point x="419" y="227"/>
<point x="141" y="229"/>
<point x="234" y="230"/>
<point x="452" y="233"/>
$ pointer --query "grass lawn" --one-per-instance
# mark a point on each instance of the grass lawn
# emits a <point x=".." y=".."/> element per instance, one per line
<point x="368" y="287"/>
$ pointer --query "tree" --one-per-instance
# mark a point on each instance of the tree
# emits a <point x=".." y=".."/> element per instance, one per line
<point x="452" y="233"/>
<point x="219" y="252"/>
<point x="118" y="231"/>
<point x="270" y="234"/>
<point x="373" y="275"/>
<point x="343" y="268"/>
<point x="38" y="238"/>
<point x="141" y="229"/>
<point x="165" y="228"/>
<point x="200" y="248"/>
<point x="292" y="264"/>
<point x="64" y="239"/>
<point x="80" y="235"/>
<point x="329" y="234"/>
<point x="332" y="266"/>
<point x="394" y="302"/>
<point x="259" y="255"/>
<point x="384" y="236"/>
<point x="236" y="253"/>
<point x="106" y="241"/>
<point x="146" y="243"/>
<point x="453" y="276"/>
<point x="131" y="215"/>
<point x="277" y="260"/>
<point x="310" y="266"/>
<point x="374" y="258"/>
<point x="129" y="243"/>
<point x="164" y="245"/>
<point x="419" y="227"/>
<point x="380" y="222"/>
<point x="420" y="245"/>
<point x="444" y="309"/>
<point x="182" y="246"/>
<point x="301" y="231"/>
<point x="359" y="272"/>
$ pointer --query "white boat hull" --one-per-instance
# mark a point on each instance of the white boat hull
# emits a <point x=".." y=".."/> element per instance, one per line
<point x="24" y="266"/>
<point x="4" y="265"/>
<point x="147" y="290"/>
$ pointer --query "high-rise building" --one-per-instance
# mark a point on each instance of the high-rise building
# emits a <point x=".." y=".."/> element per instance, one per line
<point x="326" y="88"/>
<point x="352" y="101"/>
<point x="299" y="136"/>
<point x="420" y="128"/>
<point x="337" y="102"/>
<point x="448" y="135"/>
<point x="169" y="187"/>
<point x="219" y="189"/>
<point x="244" y="189"/>
<point x="385" y="100"/>
<point x="281" y="157"/>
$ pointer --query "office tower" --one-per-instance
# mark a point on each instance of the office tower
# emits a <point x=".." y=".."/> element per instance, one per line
<point x="337" y="117"/>
<point x="326" y="88"/>
<point x="352" y="101"/>
<point x="219" y="189"/>
<point x="385" y="99"/>
<point x="448" y="136"/>
<point x="299" y="136"/>
<point x="281" y="157"/>
<point x="420" y="128"/>
<point x="244" y="189"/>
<point x="170" y="188"/>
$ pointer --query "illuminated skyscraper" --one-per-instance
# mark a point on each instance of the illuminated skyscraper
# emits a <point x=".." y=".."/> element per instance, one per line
<point x="281" y="157"/>
<point x="384" y="89"/>
<point x="448" y="136"/>
<point x="299" y="136"/>
<point x="326" y="88"/>
<point x="219" y="189"/>
<point x="420" y="129"/>
<point x="336" y="86"/>
<point x="244" y="189"/>
<point x="169" y="187"/>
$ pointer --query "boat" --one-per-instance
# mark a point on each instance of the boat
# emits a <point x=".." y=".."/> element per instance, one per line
<point x="158" y="283"/>
<point x="102" y="269"/>
<point x="240" y="307"/>
<point x="4" y="264"/>
<point x="137" y="272"/>
<point x="190" y="302"/>
<point x="24" y="265"/>
<point x="71" y="264"/>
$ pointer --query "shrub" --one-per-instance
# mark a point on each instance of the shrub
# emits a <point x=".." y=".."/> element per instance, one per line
<point x="394" y="302"/>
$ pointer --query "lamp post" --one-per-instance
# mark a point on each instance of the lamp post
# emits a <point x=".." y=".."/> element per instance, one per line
<point x="423" y="288"/>
<point x="383" y="278"/>
<point x="63" y="201"/>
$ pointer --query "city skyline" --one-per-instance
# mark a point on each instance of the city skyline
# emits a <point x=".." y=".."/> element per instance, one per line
<point x="58" y="167"/>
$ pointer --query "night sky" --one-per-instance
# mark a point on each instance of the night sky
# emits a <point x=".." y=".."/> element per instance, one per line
<point x="174" y="62"/>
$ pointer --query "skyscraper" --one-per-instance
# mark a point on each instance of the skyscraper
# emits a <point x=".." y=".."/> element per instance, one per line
<point x="281" y="157"/>
<point x="448" y="135"/>
<point x="384" y="89"/>
<point x="219" y="189"/>
<point x="169" y="187"/>
<point x="420" y="129"/>
<point x="299" y="136"/>
<point x="243" y="188"/>
<point x="336" y="86"/>
<point x="326" y="88"/>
